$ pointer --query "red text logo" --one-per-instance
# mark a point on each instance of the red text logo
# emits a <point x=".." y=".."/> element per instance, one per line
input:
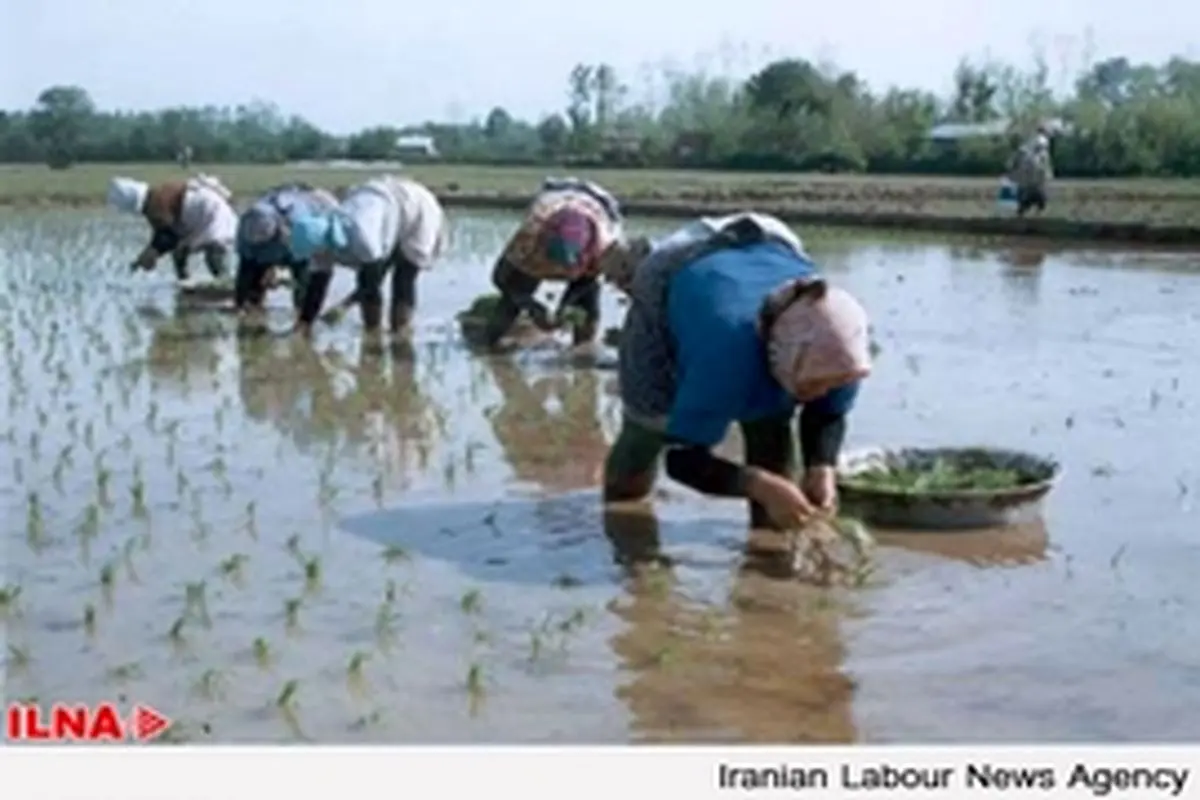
<point x="83" y="723"/>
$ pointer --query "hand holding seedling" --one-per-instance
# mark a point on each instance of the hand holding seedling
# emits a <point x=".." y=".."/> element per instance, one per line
<point x="783" y="499"/>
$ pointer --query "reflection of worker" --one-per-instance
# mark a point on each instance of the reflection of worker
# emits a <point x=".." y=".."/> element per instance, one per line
<point x="262" y="241"/>
<point x="566" y="231"/>
<point x="729" y="322"/>
<point x="294" y="388"/>
<point x="561" y="450"/>
<point x="185" y="217"/>
<point x="184" y="349"/>
<point x="1031" y="170"/>
<point x="388" y="223"/>
<point x="767" y="668"/>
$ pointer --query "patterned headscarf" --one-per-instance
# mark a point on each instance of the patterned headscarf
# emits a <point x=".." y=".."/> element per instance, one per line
<point x="569" y="236"/>
<point x="815" y="332"/>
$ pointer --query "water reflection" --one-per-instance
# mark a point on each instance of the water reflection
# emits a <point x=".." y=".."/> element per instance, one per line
<point x="335" y="400"/>
<point x="185" y="350"/>
<point x="549" y="425"/>
<point x="764" y="667"/>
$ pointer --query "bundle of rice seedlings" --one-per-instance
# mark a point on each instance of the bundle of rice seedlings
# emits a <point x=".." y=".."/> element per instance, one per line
<point x="833" y="552"/>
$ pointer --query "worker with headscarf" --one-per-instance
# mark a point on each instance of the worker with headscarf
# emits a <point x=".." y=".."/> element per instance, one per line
<point x="388" y="223"/>
<point x="567" y="229"/>
<point x="262" y="242"/>
<point x="1031" y="170"/>
<point x="728" y="322"/>
<point x="185" y="217"/>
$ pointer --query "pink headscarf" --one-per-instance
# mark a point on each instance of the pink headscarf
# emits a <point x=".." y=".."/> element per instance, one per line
<point x="816" y="333"/>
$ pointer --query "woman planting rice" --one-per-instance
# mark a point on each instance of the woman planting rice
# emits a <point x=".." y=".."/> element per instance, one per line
<point x="262" y="241"/>
<point x="185" y="217"/>
<point x="388" y="223"/>
<point x="568" y="227"/>
<point x="729" y="322"/>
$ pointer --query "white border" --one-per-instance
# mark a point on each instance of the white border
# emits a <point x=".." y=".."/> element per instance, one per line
<point x="31" y="772"/>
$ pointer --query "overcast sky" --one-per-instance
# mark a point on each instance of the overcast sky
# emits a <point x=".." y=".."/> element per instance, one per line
<point x="348" y="64"/>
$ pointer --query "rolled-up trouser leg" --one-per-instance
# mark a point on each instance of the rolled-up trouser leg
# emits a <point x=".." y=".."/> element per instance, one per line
<point x="315" y="290"/>
<point x="404" y="293"/>
<point x="369" y="293"/>
<point x="631" y="466"/>
<point x="216" y="258"/>
<point x="516" y="294"/>
<point x="771" y="445"/>
<point x="179" y="259"/>
<point x="248" y="289"/>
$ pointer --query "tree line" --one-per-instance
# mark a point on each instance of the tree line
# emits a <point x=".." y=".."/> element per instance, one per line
<point x="1121" y="119"/>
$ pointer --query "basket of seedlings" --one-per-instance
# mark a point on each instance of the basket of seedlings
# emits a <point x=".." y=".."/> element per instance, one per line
<point x="944" y="488"/>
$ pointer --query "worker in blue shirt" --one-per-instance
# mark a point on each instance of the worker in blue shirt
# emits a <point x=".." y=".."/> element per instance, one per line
<point x="729" y="321"/>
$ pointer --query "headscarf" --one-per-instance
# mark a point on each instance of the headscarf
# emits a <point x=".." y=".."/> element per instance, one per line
<point x="127" y="195"/>
<point x="259" y="225"/>
<point x="569" y="236"/>
<point x="815" y="332"/>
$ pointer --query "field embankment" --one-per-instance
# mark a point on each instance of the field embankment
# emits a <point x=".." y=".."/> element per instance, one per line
<point x="1145" y="211"/>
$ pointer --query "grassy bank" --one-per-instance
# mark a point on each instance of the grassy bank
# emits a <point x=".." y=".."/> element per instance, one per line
<point x="1133" y="210"/>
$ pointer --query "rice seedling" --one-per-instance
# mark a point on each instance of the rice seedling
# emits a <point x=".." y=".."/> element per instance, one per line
<point x="10" y="597"/>
<point x="18" y="659"/>
<point x="91" y="521"/>
<point x="291" y="614"/>
<point x="396" y="553"/>
<point x="196" y="603"/>
<point x="108" y="581"/>
<point x="35" y="523"/>
<point x="262" y="653"/>
<point x="232" y="568"/>
<point x="252" y="519"/>
<point x="476" y="682"/>
<point x="471" y="602"/>
<point x="312" y="574"/>
<point x="354" y="672"/>
<point x="103" y="479"/>
<point x="137" y="491"/>
<point x="123" y="673"/>
<point x="211" y="685"/>
<point x="89" y="619"/>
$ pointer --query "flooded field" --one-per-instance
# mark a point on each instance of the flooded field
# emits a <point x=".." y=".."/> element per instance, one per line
<point x="275" y="541"/>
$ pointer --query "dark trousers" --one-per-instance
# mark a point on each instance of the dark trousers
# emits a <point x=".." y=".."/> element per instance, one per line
<point x="215" y="258"/>
<point x="1030" y="197"/>
<point x="250" y="288"/>
<point x="369" y="292"/>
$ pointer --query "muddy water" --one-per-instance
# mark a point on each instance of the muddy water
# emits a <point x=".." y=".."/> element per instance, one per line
<point x="271" y="541"/>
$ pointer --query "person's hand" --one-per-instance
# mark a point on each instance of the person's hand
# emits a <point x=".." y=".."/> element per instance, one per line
<point x="782" y="499"/>
<point x="820" y="486"/>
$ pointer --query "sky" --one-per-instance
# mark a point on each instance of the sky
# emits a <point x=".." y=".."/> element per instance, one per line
<point x="350" y="64"/>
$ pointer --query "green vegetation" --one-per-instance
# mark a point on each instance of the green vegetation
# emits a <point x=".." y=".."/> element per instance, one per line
<point x="1123" y="119"/>
<point x="482" y="308"/>
<point x="942" y="476"/>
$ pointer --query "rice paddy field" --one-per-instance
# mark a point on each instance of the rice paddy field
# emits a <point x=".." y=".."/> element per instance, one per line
<point x="338" y="541"/>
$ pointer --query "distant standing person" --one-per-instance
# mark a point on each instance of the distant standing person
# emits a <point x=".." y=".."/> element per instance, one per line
<point x="388" y="223"/>
<point x="262" y="241"/>
<point x="729" y="321"/>
<point x="185" y="217"/>
<point x="567" y="229"/>
<point x="1031" y="170"/>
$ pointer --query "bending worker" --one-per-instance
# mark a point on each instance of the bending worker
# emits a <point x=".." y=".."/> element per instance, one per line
<point x="568" y="227"/>
<point x="388" y="223"/>
<point x="185" y="217"/>
<point x="262" y="241"/>
<point x="729" y="322"/>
